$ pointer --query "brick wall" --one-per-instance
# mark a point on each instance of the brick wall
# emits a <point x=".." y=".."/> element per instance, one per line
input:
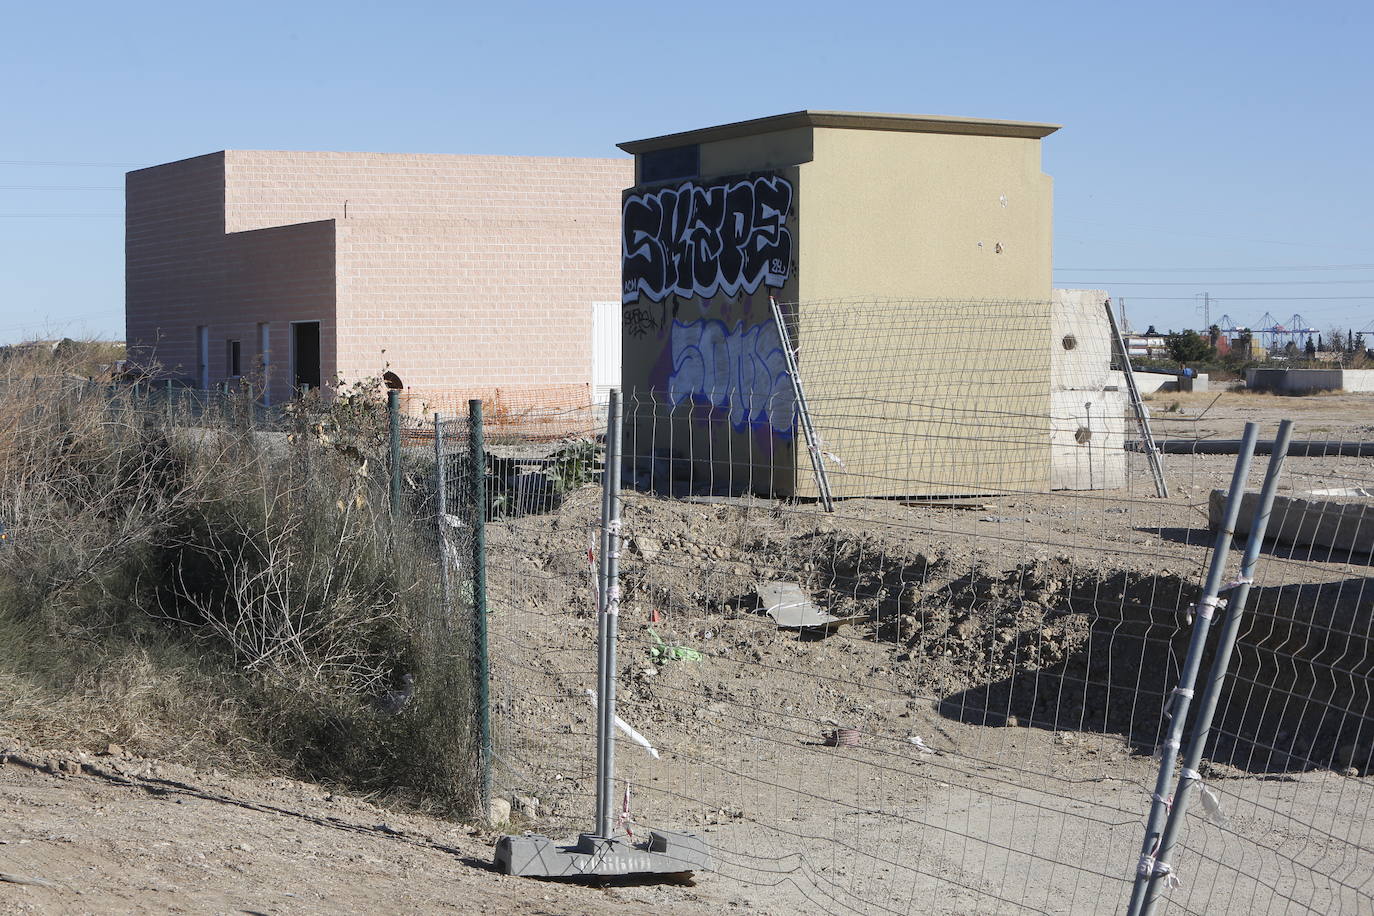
<point x="276" y="276"/>
<point x="460" y="273"/>
<point x="174" y="226"/>
<point x="183" y="272"/>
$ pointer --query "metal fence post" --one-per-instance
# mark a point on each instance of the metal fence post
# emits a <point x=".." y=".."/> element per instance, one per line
<point x="478" y="458"/>
<point x="609" y="622"/>
<point x="802" y="408"/>
<point x="393" y="416"/>
<point x="441" y="516"/>
<point x="1179" y="701"/>
<point x="1226" y="641"/>
<point x="1142" y="418"/>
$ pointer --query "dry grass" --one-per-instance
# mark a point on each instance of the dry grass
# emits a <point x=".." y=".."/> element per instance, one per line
<point x="1241" y="398"/>
<point x="179" y="584"/>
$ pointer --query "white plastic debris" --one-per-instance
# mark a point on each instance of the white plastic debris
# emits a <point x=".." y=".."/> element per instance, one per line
<point x="1211" y="804"/>
<point x="629" y="731"/>
<point x="921" y="745"/>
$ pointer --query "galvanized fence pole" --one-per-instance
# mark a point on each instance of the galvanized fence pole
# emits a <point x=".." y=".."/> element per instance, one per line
<point x="608" y="572"/>
<point x="477" y="456"/>
<point x="1226" y="641"/>
<point x="393" y="417"/>
<point x="803" y="409"/>
<point x="441" y="516"/>
<point x="1142" y="417"/>
<point x="1180" y="699"/>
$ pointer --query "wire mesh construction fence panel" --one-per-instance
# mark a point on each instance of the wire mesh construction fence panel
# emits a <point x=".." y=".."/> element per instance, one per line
<point x="945" y="695"/>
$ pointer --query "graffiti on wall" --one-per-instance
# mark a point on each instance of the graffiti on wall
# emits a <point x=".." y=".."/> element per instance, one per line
<point x="702" y="239"/>
<point x="741" y="371"/>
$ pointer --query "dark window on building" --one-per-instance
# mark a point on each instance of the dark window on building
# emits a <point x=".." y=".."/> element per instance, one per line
<point x="305" y="354"/>
<point x="667" y="164"/>
<point x="232" y="366"/>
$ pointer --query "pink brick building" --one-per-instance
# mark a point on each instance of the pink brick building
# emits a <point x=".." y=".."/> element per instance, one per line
<point x="460" y="274"/>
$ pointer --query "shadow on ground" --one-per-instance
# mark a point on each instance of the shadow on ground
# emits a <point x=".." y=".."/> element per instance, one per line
<point x="1298" y="694"/>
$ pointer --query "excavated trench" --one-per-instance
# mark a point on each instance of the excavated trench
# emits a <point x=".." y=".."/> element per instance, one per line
<point x="1050" y="644"/>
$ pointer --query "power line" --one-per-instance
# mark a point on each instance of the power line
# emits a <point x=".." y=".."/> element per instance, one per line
<point x="59" y="187"/>
<point x="1294" y="267"/>
<point x="58" y="215"/>
<point x="54" y="164"/>
<point x="1134" y="298"/>
<point x="1234" y="282"/>
<point x="1207" y="235"/>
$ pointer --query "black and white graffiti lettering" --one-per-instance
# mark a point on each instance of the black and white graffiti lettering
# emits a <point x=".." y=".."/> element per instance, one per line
<point x="638" y="322"/>
<point x="700" y="240"/>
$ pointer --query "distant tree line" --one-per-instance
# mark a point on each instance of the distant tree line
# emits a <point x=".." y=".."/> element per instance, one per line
<point x="1204" y="351"/>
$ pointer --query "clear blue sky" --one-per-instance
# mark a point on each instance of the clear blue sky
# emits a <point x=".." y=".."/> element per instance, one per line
<point x="1232" y="139"/>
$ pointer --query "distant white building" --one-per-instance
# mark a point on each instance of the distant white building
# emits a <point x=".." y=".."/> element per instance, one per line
<point x="1146" y="347"/>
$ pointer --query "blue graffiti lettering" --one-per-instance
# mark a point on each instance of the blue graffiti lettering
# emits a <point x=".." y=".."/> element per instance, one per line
<point x="741" y="371"/>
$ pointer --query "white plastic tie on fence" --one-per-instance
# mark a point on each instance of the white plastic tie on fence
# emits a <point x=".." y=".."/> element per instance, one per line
<point x="1185" y="692"/>
<point x="1205" y="607"/>
<point x="835" y="458"/>
<point x="629" y="731"/>
<point x="613" y="600"/>
<point x="1187" y="773"/>
<point x="1148" y="867"/>
<point x="1238" y="582"/>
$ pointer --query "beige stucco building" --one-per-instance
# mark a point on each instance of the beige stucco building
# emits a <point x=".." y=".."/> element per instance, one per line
<point x="910" y="245"/>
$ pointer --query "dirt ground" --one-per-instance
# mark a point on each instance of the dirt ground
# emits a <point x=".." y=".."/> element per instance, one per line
<point x="100" y="834"/>
<point x="1005" y="668"/>
<point x="1028" y="640"/>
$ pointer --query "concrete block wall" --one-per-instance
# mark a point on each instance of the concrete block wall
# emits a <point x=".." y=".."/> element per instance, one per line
<point x="173" y="231"/>
<point x="275" y="276"/>
<point x="459" y="273"/>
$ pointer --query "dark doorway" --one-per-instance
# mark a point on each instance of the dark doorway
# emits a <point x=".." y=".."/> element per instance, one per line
<point x="305" y="354"/>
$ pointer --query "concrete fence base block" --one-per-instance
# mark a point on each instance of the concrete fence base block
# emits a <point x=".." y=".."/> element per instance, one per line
<point x="1345" y="529"/>
<point x="664" y="853"/>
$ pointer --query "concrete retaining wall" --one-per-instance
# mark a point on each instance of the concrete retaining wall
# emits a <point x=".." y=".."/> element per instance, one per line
<point x="1306" y="381"/>
<point x="1346" y="529"/>
<point x="1357" y="379"/>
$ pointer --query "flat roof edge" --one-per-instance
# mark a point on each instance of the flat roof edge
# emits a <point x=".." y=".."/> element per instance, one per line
<point x="850" y="120"/>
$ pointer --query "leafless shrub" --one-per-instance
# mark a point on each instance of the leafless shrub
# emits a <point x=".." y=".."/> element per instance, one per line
<point x="261" y="564"/>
